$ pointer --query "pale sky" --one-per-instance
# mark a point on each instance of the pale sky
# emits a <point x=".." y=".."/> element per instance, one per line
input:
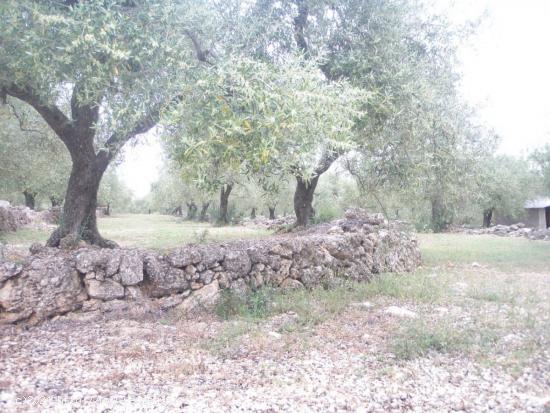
<point x="506" y="71"/>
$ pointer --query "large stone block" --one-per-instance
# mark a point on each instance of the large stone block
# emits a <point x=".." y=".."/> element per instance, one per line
<point x="104" y="290"/>
<point x="43" y="288"/>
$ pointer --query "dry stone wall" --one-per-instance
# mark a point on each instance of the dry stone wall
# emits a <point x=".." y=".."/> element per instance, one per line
<point x="14" y="217"/>
<point x="515" y="230"/>
<point x="52" y="281"/>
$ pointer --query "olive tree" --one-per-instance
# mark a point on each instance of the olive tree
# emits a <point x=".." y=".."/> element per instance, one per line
<point x="99" y="73"/>
<point x="256" y="118"/>
<point x="502" y="187"/>
<point x="388" y="49"/>
<point x="172" y="190"/>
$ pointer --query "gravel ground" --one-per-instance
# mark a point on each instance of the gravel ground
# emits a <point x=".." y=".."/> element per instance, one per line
<point x="114" y="363"/>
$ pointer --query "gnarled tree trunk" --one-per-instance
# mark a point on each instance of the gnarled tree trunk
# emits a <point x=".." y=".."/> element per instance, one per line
<point x="487" y="217"/>
<point x="204" y="210"/>
<point x="78" y="221"/>
<point x="30" y="198"/>
<point x="224" y="203"/>
<point x="303" y="200"/>
<point x="271" y="212"/>
<point x="440" y="216"/>
<point x="191" y="210"/>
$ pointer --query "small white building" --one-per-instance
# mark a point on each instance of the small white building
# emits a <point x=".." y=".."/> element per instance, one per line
<point x="538" y="212"/>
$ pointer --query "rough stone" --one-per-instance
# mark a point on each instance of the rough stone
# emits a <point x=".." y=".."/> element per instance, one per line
<point x="162" y="279"/>
<point x="183" y="257"/>
<point x="87" y="259"/>
<point x="291" y="284"/>
<point x="238" y="262"/>
<point x="133" y="293"/>
<point x="171" y="301"/>
<point x="104" y="290"/>
<point x="9" y="270"/>
<point x="131" y="268"/>
<point x="48" y="287"/>
<point x="205" y="298"/>
<point x="400" y="312"/>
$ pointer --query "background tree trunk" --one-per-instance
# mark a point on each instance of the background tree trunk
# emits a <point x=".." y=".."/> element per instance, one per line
<point x="487" y="217"/>
<point x="271" y="212"/>
<point x="191" y="210"/>
<point x="253" y="213"/>
<point x="224" y="203"/>
<point x="440" y="218"/>
<point x="30" y="200"/>
<point x="303" y="200"/>
<point x="79" y="221"/>
<point x="204" y="210"/>
<point x="177" y="211"/>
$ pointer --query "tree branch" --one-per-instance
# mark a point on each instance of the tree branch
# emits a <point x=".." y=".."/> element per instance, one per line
<point x="202" y="54"/>
<point x="53" y="116"/>
<point x="117" y="140"/>
<point x="22" y="122"/>
<point x="326" y="161"/>
<point x="149" y="120"/>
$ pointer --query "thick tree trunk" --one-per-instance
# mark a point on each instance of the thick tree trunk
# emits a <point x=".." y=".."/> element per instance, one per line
<point x="224" y="203"/>
<point x="29" y="198"/>
<point x="204" y="210"/>
<point x="191" y="210"/>
<point x="303" y="200"/>
<point x="271" y="212"/>
<point x="79" y="221"/>
<point x="78" y="132"/>
<point x="487" y="217"/>
<point x="253" y="213"/>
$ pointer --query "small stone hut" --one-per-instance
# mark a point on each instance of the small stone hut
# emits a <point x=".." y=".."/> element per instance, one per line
<point x="538" y="212"/>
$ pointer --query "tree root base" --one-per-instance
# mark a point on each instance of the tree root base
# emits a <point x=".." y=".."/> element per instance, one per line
<point x="72" y="240"/>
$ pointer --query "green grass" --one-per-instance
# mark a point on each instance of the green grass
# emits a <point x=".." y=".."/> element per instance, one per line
<point x="164" y="231"/>
<point x="318" y="304"/>
<point x="503" y="253"/>
<point x="158" y="232"/>
<point x="419" y="338"/>
<point x="24" y="236"/>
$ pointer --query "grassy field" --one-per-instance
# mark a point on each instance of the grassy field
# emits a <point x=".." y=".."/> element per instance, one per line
<point x="506" y="254"/>
<point x="147" y="231"/>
